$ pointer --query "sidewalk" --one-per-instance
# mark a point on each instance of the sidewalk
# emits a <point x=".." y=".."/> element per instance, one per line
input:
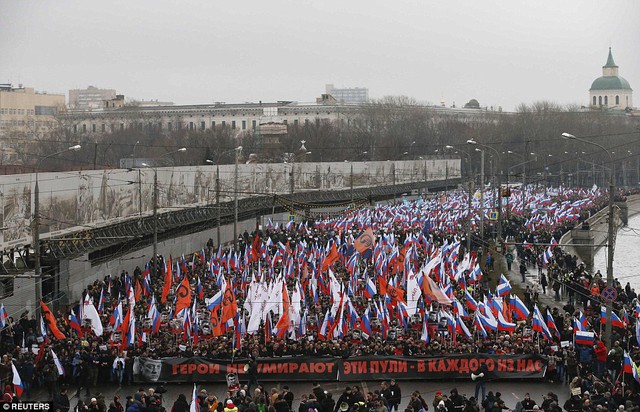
<point x="531" y="279"/>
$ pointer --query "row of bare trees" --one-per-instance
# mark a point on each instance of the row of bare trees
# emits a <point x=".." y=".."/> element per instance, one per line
<point x="393" y="128"/>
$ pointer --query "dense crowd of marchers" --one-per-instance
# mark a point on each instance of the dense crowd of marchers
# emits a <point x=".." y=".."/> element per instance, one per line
<point x="389" y="280"/>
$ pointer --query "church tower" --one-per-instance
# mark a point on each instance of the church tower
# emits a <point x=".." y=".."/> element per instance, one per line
<point x="610" y="91"/>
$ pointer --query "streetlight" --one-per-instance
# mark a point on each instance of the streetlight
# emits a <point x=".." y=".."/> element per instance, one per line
<point x="468" y="196"/>
<point x="238" y="150"/>
<point x="36" y="228"/>
<point x="610" y="230"/>
<point x="133" y="165"/>
<point x="155" y="207"/>
<point x="498" y="184"/>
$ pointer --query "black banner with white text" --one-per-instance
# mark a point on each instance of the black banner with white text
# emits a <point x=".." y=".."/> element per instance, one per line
<point x="445" y="367"/>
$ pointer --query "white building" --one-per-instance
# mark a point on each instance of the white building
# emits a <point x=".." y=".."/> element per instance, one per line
<point x="610" y="90"/>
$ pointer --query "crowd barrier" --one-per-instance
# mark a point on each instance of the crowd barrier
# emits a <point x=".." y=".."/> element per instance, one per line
<point x="353" y="369"/>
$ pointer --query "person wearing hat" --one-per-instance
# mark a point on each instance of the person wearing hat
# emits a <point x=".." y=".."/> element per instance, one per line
<point x="93" y="405"/>
<point x="153" y="404"/>
<point x="230" y="407"/>
<point x="180" y="405"/>
<point x="345" y="399"/>
<point x="456" y="402"/>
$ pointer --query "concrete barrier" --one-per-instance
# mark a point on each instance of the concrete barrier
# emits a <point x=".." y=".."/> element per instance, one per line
<point x="585" y="240"/>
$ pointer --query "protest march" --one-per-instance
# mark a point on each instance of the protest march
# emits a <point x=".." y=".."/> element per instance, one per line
<point x="406" y="290"/>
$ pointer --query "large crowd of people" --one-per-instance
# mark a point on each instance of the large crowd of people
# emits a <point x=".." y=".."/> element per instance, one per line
<point x="324" y="277"/>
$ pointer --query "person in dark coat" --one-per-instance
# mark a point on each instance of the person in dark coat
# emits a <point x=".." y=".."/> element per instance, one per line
<point x="180" y="405"/>
<point x="344" y="398"/>
<point x="61" y="401"/>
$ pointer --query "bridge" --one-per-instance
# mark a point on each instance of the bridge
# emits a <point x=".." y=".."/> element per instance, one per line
<point x="102" y="221"/>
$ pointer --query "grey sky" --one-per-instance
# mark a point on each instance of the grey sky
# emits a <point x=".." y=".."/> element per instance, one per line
<point x="500" y="52"/>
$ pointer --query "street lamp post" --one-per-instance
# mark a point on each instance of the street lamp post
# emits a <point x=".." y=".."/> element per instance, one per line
<point x="133" y="165"/>
<point x="498" y="184"/>
<point x="36" y="229"/>
<point x="155" y="207"/>
<point x="238" y="150"/>
<point x="469" y="196"/>
<point x="610" y="230"/>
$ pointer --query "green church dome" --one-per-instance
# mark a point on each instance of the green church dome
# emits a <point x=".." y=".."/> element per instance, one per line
<point x="610" y="83"/>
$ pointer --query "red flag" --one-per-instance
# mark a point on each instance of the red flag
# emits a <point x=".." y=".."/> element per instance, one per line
<point x="50" y="320"/>
<point x="138" y="291"/>
<point x="285" y="321"/>
<point x="382" y="287"/>
<point x="255" y="249"/>
<point x="365" y="241"/>
<point x="168" y="280"/>
<point x="229" y="304"/>
<point x="396" y="294"/>
<point x="183" y="295"/>
<point x="331" y="258"/>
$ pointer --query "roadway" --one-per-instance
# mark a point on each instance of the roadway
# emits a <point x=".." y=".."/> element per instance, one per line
<point x="512" y="391"/>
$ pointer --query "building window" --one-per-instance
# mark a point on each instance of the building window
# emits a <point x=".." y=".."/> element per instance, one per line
<point x="75" y="128"/>
<point x="306" y="122"/>
<point x="202" y="125"/>
<point x="224" y="123"/>
<point x="295" y="122"/>
<point x="190" y="125"/>
<point x="617" y="100"/>
<point x="121" y="126"/>
<point x="253" y="124"/>
<point x="213" y="125"/>
<point x="244" y="125"/>
<point x="46" y="111"/>
<point x="169" y="126"/>
<point x="606" y="100"/>
<point x="595" y="101"/>
<point x="233" y="124"/>
<point x="84" y="128"/>
<point x="600" y="100"/>
<point x="103" y="127"/>
<point x="317" y="122"/>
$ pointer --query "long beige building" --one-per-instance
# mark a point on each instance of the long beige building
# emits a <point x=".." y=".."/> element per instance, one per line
<point x="25" y="111"/>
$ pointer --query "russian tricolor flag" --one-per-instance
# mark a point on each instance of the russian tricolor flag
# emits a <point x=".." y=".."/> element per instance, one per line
<point x="57" y="363"/>
<point x="17" y="382"/>
<point x="504" y="287"/>
<point x="370" y="289"/>
<point x="583" y="338"/>
<point x="519" y="308"/>
<point x="503" y="324"/>
<point x="366" y="322"/>
<point x="425" y="332"/>
<point x="551" y="324"/>
<point x="615" y="320"/>
<point x="3" y="316"/>
<point x="627" y="363"/>
<point x="74" y="323"/>
<point x="214" y="302"/>
<point x="471" y="302"/>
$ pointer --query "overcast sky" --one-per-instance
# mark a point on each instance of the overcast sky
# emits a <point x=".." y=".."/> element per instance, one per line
<point x="501" y="53"/>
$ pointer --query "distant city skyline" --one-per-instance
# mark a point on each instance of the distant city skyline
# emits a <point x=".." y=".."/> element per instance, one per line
<point x="499" y="53"/>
